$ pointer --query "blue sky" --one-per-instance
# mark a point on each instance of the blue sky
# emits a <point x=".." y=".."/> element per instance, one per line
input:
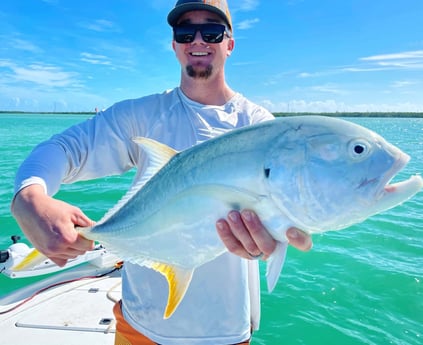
<point x="290" y="55"/>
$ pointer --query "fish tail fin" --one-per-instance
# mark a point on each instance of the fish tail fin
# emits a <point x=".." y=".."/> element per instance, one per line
<point x="86" y="232"/>
<point x="275" y="264"/>
<point x="178" y="280"/>
<point x="30" y="261"/>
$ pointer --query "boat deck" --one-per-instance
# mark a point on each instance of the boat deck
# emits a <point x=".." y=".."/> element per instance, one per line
<point x="78" y="311"/>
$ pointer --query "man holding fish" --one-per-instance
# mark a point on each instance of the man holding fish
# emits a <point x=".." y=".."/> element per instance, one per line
<point x="221" y="305"/>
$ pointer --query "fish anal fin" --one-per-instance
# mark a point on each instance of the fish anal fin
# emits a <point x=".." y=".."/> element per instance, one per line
<point x="30" y="261"/>
<point x="178" y="280"/>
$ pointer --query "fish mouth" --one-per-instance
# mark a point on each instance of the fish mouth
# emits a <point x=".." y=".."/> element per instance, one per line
<point x="393" y="194"/>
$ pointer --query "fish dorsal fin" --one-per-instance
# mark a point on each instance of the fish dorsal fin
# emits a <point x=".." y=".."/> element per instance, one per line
<point x="178" y="280"/>
<point x="158" y="155"/>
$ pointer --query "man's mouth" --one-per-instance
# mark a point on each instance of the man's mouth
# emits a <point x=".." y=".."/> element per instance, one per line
<point x="199" y="53"/>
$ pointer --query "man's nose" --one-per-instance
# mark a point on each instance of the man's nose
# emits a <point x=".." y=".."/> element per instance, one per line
<point x="198" y="37"/>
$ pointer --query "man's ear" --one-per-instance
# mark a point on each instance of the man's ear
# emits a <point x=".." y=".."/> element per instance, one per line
<point x="231" y="46"/>
<point x="173" y="45"/>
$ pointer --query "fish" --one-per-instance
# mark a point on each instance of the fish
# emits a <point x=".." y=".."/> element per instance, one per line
<point x="315" y="173"/>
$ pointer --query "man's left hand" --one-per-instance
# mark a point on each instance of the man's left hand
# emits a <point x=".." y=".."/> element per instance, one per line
<point x="244" y="235"/>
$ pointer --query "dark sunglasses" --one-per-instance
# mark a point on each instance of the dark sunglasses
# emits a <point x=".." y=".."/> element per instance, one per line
<point x="210" y="33"/>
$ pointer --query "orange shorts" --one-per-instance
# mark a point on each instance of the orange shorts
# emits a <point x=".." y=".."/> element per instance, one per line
<point x="127" y="335"/>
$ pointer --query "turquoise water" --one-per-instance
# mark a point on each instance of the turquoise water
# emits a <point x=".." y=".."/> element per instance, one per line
<point x="363" y="285"/>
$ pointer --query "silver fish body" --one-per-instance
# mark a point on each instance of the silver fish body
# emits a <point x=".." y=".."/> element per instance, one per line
<point x="315" y="173"/>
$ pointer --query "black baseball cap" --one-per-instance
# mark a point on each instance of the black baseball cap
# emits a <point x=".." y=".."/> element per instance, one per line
<point x="220" y="7"/>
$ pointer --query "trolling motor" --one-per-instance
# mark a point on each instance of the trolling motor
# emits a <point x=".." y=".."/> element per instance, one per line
<point x="5" y="254"/>
<point x="12" y="255"/>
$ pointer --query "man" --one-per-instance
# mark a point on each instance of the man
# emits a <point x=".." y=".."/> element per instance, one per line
<point x="221" y="305"/>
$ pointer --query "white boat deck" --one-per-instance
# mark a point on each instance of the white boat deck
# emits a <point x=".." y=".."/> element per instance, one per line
<point x="75" y="313"/>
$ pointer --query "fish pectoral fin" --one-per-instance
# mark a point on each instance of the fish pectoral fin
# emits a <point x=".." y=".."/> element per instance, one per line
<point x="33" y="259"/>
<point x="178" y="280"/>
<point x="275" y="264"/>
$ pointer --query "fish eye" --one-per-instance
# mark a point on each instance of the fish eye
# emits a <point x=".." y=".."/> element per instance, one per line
<point x="359" y="149"/>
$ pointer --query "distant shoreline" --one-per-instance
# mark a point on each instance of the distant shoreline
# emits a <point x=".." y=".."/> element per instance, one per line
<point x="355" y="114"/>
<point x="49" y="112"/>
<point x="277" y="114"/>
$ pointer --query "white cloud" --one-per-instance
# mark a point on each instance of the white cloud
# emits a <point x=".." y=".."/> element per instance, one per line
<point x="403" y="83"/>
<point x="395" y="56"/>
<point x="49" y="99"/>
<point x="247" y="24"/>
<point x="247" y="5"/>
<point x="95" y="59"/>
<point x="306" y="74"/>
<point x="316" y="74"/>
<point x="44" y="75"/>
<point x="332" y="106"/>
<point x="328" y="88"/>
<point x="100" y="25"/>
<point x="363" y="69"/>
<point x="12" y="42"/>
<point x="39" y="74"/>
<point x="408" y="60"/>
<point x="24" y="45"/>
<point x="6" y="63"/>
<point x="376" y="63"/>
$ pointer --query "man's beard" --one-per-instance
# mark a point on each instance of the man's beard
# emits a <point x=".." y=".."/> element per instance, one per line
<point x="203" y="73"/>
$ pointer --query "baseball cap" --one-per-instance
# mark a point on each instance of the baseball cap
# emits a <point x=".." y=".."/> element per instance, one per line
<point x="220" y="7"/>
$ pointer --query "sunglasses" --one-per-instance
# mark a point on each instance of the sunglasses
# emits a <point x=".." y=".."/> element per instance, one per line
<point x="210" y="33"/>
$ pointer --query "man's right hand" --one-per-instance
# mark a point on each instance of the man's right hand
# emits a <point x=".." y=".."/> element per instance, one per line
<point x="49" y="224"/>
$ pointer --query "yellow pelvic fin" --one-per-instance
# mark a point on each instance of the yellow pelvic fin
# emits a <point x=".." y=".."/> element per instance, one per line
<point x="30" y="261"/>
<point x="178" y="280"/>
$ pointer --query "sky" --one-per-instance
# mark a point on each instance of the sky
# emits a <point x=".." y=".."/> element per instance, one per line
<point x="290" y="55"/>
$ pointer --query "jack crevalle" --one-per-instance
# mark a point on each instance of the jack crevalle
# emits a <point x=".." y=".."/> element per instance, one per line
<point x="315" y="173"/>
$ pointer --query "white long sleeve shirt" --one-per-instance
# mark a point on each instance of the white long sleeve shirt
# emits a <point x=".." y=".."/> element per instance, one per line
<point x="223" y="299"/>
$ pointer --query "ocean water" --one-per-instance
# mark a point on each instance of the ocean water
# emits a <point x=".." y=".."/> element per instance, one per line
<point x="363" y="285"/>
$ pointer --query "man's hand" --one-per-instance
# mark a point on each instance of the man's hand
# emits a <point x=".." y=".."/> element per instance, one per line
<point x="244" y="235"/>
<point x="49" y="224"/>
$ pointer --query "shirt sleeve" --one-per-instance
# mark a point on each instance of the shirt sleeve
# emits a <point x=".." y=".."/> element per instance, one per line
<point x="257" y="113"/>
<point x="98" y="147"/>
<point x="261" y="114"/>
